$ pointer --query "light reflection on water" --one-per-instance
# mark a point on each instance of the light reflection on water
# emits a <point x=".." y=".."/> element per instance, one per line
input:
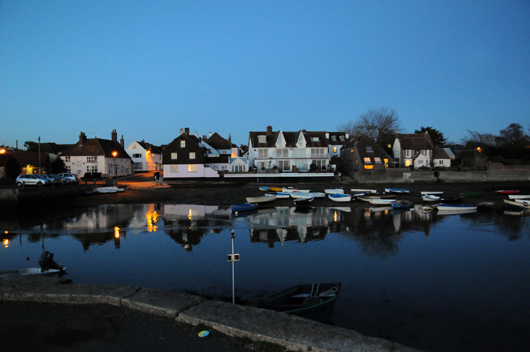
<point x="453" y="282"/>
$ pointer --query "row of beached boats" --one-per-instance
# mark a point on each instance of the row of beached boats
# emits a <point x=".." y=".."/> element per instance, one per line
<point x="387" y="198"/>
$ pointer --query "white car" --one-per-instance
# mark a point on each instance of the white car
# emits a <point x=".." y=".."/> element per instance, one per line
<point x="69" y="178"/>
<point x="32" y="180"/>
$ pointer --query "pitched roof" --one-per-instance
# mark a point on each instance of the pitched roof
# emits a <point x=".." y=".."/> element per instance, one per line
<point x="218" y="142"/>
<point x="415" y="141"/>
<point x="148" y="146"/>
<point x="96" y="147"/>
<point x="314" y="139"/>
<point x="30" y="158"/>
<point x="440" y="153"/>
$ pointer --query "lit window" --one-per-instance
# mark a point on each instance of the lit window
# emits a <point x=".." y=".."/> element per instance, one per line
<point x="192" y="155"/>
<point x="192" y="168"/>
<point x="134" y="146"/>
<point x="174" y="156"/>
<point x="334" y="149"/>
<point x="174" y="169"/>
<point x="367" y="160"/>
<point x="368" y="167"/>
<point x="377" y="160"/>
<point x="183" y="144"/>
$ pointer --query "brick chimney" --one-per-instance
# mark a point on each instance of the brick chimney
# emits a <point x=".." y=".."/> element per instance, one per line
<point x="82" y="138"/>
<point x="187" y="130"/>
<point x="122" y="142"/>
<point x="269" y="130"/>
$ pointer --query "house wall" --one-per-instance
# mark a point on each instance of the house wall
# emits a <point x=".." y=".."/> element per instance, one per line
<point x="202" y="172"/>
<point x="441" y="162"/>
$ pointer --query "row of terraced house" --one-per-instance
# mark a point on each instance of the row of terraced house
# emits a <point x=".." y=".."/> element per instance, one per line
<point x="269" y="154"/>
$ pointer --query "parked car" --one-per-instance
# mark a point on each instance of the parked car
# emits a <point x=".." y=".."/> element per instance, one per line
<point x="56" y="180"/>
<point x="69" y="178"/>
<point x="32" y="180"/>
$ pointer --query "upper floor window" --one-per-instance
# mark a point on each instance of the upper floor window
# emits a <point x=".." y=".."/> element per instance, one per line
<point x="134" y="146"/>
<point x="377" y="160"/>
<point x="367" y="160"/>
<point x="315" y="139"/>
<point x="192" y="168"/>
<point x="262" y="139"/>
<point x="282" y="153"/>
<point x="369" y="149"/>
<point x="183" y="144"/>
<point x="192" y="155"/>
<point x="137" y="155"/>
<point x="334" y="138"/>
<point x="174" y="156"/>
<point x="263" y="153"/>
<point x="341" y="138"/>
<point x="66" y="159"/>
<point x="91" y="159"/>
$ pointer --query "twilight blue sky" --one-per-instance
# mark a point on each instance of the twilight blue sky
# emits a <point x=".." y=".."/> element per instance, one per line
<point x="149" y="68"/>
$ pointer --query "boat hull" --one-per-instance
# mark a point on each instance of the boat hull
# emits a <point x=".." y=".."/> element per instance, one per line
<point x="341" y="198"/>
<point x="244" y="207"/>
<point x="261" y="199"/>
<point x="309" y="301"/>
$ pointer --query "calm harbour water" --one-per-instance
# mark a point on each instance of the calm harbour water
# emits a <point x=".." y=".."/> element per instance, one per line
<point x="434" y="282"/>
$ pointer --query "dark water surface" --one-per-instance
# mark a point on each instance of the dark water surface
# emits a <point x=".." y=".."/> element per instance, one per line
<point x="434" y="282"/>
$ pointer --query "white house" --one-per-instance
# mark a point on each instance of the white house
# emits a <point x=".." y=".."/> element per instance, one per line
<point x="294" y="151"/>
<point x="97" y="155"/>
<point x="145" y="156"/>
<point x="418" y="150"/>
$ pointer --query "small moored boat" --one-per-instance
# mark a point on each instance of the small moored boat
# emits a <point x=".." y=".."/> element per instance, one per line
<point x="334" y="191"/>
<point x="358" y="190"/>
<point x="519" y="196"/>
<point x="338" y="197"/>
<point x="303" y="200"/>
<point x="455" y="207"/>
<point x="506" y="191"/>
<point x="244" y="207"/>
<point x="396" y="190"/>
<point x="471" y="194"/>
<point x="379" y="201"/>
<point x="402" y="204"/>
<point x="430" y="198"/>
<point x="261" y="199"/>
<point x="425" y="193"/>
<point x="310" y="301"/>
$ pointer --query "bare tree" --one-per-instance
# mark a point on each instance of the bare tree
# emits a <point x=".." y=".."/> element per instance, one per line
<point x="373" y="123"/>
<point x="475" y="138"/>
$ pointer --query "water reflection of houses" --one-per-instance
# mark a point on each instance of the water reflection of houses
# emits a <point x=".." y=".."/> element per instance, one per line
<point x="187" y="224"/>
<point x="283" y="224"/>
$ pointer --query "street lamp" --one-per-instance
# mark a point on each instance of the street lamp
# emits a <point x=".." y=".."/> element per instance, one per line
<point x="115" y="154"/>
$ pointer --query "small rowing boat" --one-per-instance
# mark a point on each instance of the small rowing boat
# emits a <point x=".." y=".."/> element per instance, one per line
<point x="244" y="207"/>
<point x="261" y="199"/>
<point x="338" y="197"/>
<point x="396" y="190"/>
<point x="506" y="191"/>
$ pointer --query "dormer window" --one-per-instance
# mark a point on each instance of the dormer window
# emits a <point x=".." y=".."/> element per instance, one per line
<point x="334" y="138"/>
<point x="341" y="138"/>
<point x="315" y="139"/>
<point x="369" y="149"/>
<point x="262" y="139"/>
<point x="183" y="144"/>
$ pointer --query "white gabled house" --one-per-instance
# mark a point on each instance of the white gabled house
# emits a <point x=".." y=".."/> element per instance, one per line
<point x="294" y="151"/>
<point x="145" y="156"/>
<point x="98" y="156"/>
<point x="418" y="150"/>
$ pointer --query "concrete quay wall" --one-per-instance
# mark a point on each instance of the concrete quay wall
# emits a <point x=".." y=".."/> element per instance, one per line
<point x="427" y="176"/>
<point x="291" y="332"/>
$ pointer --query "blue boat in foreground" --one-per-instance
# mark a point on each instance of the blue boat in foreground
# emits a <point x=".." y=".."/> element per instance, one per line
<point x="396" y="190"/>
<point x="244" y="206"/>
